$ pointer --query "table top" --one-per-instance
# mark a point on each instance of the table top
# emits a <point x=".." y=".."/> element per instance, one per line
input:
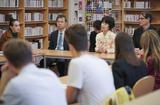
<point x="69" y="55"/>
<point x="62" y="54"/>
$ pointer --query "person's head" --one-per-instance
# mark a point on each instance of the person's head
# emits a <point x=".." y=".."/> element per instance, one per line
<point x="14" y="25"/>
<point x="76" y="36"/>
<point x="18" y="53"/>
<point x="107" y="23"/>
<point x="145" y="19"/>
<point x="97" y="25"/>
<point x="150" y="42"/>
<point x="124" y="48"/>
<point x="61" y="22"/>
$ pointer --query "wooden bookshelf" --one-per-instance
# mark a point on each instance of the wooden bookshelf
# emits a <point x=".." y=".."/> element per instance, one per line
<point x="22" y="8"/>
<point x="153" y="7"/>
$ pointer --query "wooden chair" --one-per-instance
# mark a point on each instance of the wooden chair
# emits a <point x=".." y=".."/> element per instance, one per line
<point x="143" y="86"/>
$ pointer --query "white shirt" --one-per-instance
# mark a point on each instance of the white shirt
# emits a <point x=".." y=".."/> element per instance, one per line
<point x="93" y="77"/>
<point x="34" y="86"/>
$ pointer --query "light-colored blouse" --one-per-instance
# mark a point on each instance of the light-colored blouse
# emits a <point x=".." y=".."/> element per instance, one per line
<point x="105" y="43"/>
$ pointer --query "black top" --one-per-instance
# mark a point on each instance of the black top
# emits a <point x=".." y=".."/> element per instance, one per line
<point x="53" y="41"/>
<point x="137" y="36"/>
<point x="127" y="74"/>
<point x="92" y="41"/>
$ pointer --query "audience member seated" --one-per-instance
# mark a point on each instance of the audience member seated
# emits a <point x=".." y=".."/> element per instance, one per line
<point x="97" y="29"/>
<point x="127" y="68"/>
<point x="57" y="42"/>
<point x="12" y="32"/>
<point x="90" y="78"/>
<point x="150" y="42"/>
<point x="105" y="39"/>
<point x="22" y="83"/>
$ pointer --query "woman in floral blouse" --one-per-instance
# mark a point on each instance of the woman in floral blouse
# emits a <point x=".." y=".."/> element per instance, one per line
<point x="105" y="39"/>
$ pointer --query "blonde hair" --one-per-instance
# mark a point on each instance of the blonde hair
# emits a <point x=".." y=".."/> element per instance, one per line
<point x="150" y="42"/>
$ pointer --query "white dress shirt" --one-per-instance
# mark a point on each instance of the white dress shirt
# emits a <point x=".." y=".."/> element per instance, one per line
<point x="34" y="86"/>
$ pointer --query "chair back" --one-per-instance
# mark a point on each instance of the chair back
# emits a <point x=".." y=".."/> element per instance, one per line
<point x="144" y="86"/>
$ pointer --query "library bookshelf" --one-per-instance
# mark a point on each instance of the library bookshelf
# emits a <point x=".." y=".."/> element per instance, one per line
<point x="125" y="12"/>
<point x="34" y="16"/>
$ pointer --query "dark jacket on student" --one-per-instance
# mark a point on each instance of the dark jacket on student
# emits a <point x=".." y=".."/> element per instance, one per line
<point x="92" y="41"/>
<point x="137" y="36"/>
<point x="7" y="36"/>
<point x="127" y="74"/>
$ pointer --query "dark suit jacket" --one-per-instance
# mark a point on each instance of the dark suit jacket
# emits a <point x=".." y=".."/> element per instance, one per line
<point x="53" y="41"/>
<point x="92" y="41"/>
<point x="137" y="36"/>
<point x="127" y="74"/>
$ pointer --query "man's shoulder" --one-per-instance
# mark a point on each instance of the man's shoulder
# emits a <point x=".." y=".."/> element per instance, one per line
<point x="54" y="32"/>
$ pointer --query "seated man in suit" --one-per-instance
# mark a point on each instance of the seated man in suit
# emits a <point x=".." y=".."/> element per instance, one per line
<point x="57" y="42"/>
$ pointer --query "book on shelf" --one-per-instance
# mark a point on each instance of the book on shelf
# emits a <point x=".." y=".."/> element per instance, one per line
<point x="7" y="17"/>
<point x="53" y="16"/>
<point x="55" y="3"/>
<point x="33" y="31"/>
<point x="142" y="4"/>
<point x="2" y="18"/>
<point x="131" y="17"/>
<point x="9" y="3"/>
<point x="36" y="16"/>
<point x="34" y="3"/>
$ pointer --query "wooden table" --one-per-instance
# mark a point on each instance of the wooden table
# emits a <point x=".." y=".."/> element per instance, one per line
<point x="68" y="55"/>
<point x="62" y="55"/>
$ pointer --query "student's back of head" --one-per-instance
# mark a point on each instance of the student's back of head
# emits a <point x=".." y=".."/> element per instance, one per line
<point x="76" y="35"/>
<point x="124" y="49"/>
<point x="17" y="52"/>
<point x="150" y="42"/>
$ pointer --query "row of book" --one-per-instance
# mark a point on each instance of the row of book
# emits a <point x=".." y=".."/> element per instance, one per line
<point x="55" y="3"/>
<point x="34" y="16"/>
<point x="9" y="3"/>
<point x="34" y="3"/>
<point x="53" y="16"/>
<point x="131" y="17"/>
<point x="101" y="4"/>
<point x="33" y="31"/>
<point x="137" y="4"/>
<point x="6" y="17"/>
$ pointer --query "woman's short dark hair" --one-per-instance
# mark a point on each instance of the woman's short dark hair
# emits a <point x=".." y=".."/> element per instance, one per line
<point x="108" y="20"/>
<point x="124" y="49"/>
<point x="11" y="21"/>
<point x="97" y="24"/>
<point x="76" y="35"/>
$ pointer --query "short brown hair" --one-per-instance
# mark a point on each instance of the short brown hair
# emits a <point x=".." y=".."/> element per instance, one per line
<point x="18" y="52"/>
<point x="77" y="36"/>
